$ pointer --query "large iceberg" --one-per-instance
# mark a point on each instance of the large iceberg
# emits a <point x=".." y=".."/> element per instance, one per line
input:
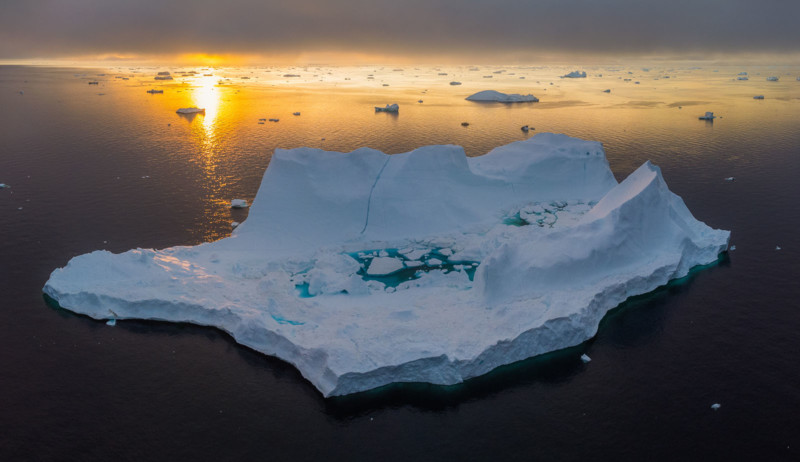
<point x="496" y="96"/>
<point x="364" y="269"/>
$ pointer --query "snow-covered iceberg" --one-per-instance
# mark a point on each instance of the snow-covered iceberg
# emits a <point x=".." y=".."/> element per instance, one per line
<point x="364" y="269"/>
<point x="575" y="75"/>
<point x="496" y="96"/>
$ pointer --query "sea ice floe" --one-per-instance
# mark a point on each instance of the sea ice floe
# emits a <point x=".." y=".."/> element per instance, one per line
<point x="323" y="299"/>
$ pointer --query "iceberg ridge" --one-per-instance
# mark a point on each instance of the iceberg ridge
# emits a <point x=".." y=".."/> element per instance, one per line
<point x="364" y="269"/>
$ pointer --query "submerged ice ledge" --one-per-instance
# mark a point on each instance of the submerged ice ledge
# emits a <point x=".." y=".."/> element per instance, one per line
<point x="364" y="269"/>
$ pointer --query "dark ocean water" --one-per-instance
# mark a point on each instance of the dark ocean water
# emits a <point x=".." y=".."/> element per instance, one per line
<point x="108" y="166"/>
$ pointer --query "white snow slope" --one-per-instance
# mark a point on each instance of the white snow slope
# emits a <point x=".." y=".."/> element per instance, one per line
<point x="498" y="258"/>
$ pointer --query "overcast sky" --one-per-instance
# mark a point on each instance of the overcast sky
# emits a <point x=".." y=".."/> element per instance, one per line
<point x="467" y="29"/>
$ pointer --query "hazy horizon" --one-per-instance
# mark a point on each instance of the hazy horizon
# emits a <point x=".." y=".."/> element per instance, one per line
<point x="240" y="32"/>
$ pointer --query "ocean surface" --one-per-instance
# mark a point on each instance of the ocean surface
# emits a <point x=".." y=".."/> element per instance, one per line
<point x="110" y="166"/>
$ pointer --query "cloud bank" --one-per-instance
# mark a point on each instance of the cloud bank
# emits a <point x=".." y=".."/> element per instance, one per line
<point x="55" y="28"/>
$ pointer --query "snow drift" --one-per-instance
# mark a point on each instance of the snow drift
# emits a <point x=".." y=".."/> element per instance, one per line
<point x="364" y="269"/>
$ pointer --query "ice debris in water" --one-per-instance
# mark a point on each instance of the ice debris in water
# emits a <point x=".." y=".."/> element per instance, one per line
<point x="585" y="358"/>
<point x="708" y="116"/>
<point x="303" y="278"/>
<point x="575" y="75"/>
<point x="238" y="203"/>
<point x="715" y="406"/>
<point x="730" y="178"/>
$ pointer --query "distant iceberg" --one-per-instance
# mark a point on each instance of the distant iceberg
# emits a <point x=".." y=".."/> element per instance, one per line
<point x="191" y="110"/>
<point x="575" y="75"/>
<point x="496" y="96"/>
<point x="431" y="266"/>
<point x="455" y="83"/>
<point x="388" y="108"/>
<point x="707" y="116"/>
<point x="772" y="79"/>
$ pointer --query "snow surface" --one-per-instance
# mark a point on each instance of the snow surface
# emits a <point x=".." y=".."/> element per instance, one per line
<point x="496" y="96"/>
<point x="532" y="243"/>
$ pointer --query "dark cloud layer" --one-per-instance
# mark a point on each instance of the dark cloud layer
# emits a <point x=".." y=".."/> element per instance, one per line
<point x="53" y="28"/>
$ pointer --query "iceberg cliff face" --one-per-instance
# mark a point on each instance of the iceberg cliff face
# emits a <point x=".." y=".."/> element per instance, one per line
<point x="364" y="269"/>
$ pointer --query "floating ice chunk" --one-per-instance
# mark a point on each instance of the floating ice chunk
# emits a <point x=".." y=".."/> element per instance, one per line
<point x="274" y="120"/>
<point x="607" y="90"/>
<point x="708" y="116"/>
<point x="111" y="322"/>
<point x="291" y="75"/>
<point x="455" y="83"/>
<point x="715" y="406"/>
<point x="777" y="247"/>
<point x="234" y="224"/>
<point x="413" y="263"/>
<point x="381" y="266"/>
<point x="742" y="73"/>
<point x="295" y="113"/>
<point x="465" y="124"/>
<point x="153" y="91"/>
<point x="434" y="262"/>
<point x="238" y="203"/>
<point x="496" y="96"/>
<point x="742" y="78"/>
<point x="575" y="75"/>
<point x="730" y="178"/>
<point x="758" y="97"/>
<point x="414" y="254"/>
<point x="585" y="358"/>
<point x="3" y="185"/>
<point x="420" y="101"/>
<point x="191" y="110"/>
<point x="772" y="79"/>
<point x="446" y="252"/>
<point x="388" y="108"/>
<point x="732" y="248"/>
<point x="525" y="128"/>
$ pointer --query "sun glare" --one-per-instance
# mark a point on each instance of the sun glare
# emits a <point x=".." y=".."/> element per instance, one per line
<point x="207" y="96"/>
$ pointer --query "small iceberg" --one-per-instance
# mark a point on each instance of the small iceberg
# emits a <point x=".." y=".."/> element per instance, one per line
<point x="291" y="75"/>
<point x="742" y="73"/>
<point x="525" y="128"/>
<point x="758" y="97"/>
<point x="607" y="90"/>
<point x="715" y="406"/>
<point x="274" y="120"/>
<point x="575" y="75"/>
<point x="153" y="92"/>
<point x="388" y="108"/>
<point x="295" y="113"/>
<point x="3" y="185"/>
<point x="742" y="78"/>
<point x="585" y="358"/>
<point x="238" y="203"/>
<point x="94" y="82"/>
<point x="772" y="79"/>
<point x="708" y="116"/>
<point x="496" y="96"/>
<point x="191" y="110"/>
<point x="455" y="83"/>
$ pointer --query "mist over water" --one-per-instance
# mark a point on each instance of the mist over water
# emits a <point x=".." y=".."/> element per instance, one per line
<point x="109" y="166"/>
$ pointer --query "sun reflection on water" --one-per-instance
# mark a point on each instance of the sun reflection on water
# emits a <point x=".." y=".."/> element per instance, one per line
<point x="207" y="96"/>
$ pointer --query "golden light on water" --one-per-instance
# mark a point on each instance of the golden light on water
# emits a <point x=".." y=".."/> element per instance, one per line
<point x="208" y="97"/>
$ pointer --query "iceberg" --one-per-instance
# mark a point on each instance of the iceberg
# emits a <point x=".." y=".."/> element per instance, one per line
<point x="430" y="266"/>
<point x="388" y="108"/>
<point x="574" y="75"/>
<point x="191" y="110"/>
<point x="496" y="96"/>
<point x="709" y="116"/>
